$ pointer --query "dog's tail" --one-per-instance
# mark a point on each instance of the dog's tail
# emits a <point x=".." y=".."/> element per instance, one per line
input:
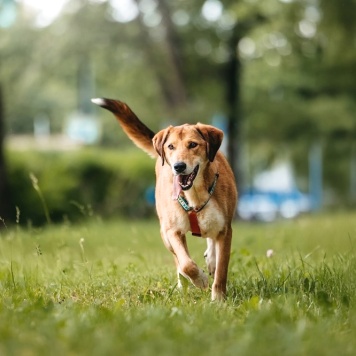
<point x="136" y="130"/>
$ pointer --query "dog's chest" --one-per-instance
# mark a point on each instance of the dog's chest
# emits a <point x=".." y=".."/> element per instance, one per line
<point x="210" y="220"/>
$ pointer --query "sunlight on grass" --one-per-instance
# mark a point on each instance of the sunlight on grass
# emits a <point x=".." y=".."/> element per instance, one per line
<point x="110" y="288"/>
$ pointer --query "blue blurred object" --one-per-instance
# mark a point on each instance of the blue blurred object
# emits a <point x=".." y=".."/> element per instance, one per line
<point x="269" y="205"/>
<point x="150" y="195"/>
<point x="316" y="176"/>
<point x="273" y="194"/>
<point x="8" y="13"/>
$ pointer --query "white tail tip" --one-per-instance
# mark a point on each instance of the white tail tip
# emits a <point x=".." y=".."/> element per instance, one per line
<point x="98" y="101"/>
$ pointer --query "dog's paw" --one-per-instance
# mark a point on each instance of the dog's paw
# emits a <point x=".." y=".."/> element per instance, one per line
<point x="217" y="293"/>
<point x="201" y="281"/>
<point x="210" y="263"/>
<point x="194" y="274"/>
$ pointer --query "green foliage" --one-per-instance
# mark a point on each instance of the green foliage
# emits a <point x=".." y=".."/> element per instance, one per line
<point x="94" y="289"/>
<point x="282" y="61"/>
<point x="297" y="63"/>
<point x="73" y="185"/>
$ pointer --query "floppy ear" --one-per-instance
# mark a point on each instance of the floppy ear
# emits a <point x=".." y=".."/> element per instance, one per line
<point x="213" y="137"/>
<point x="159" y="140"/>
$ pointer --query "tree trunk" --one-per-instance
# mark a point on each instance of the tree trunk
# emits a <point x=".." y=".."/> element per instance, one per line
<point x="173" y="48"/>
<point x="165" y="60"/>
<point x="233" y="100"/>
<point x="5" y="196"/>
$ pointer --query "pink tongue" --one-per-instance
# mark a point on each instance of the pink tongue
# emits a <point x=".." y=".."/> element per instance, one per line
<point x="176" y="188"/>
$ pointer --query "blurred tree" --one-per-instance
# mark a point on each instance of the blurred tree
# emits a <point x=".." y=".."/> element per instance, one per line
<point x="234" y="96"/>
<point x="8" y="12"/>
<point x="290" y="64"/>
<point x="165" y="61"/>
<point x="5" y="194"/>
<point x="298" y="88"/>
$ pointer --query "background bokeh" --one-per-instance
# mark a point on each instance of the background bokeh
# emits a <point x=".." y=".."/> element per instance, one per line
<point x="277" y="75"/>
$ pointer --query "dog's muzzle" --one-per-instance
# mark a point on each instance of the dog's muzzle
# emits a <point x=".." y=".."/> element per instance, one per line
<point x="182" y="181"/>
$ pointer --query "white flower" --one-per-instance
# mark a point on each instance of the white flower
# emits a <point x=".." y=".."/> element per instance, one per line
<point x="269" y="253"/>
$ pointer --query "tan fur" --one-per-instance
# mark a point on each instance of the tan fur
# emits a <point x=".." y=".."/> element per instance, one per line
<point x="173" y="145"/>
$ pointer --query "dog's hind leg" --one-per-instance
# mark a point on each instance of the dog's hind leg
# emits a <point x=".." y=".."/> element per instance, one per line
<point x="223" y="248"/>
<point x="210" y="256"/>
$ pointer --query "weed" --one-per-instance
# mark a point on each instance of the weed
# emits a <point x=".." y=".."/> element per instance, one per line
<point x="36" y="187"/>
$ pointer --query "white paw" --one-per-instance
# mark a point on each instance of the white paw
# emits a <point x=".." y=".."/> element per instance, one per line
<point x="210" y="257"/>
<point x="201" y="281"/>
<point x="210" y="263"/>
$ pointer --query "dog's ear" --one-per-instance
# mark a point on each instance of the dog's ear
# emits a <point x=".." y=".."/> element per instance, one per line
<point x="159" y="140"/>
<point x="213" y="138"/>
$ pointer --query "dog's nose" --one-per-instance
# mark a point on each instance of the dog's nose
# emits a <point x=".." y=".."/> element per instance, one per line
<point x="179" y="167"/>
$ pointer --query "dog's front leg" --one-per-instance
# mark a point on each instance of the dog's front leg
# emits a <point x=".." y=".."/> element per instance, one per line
<point x="185" y="265"/>
<point x="223" y="248"/>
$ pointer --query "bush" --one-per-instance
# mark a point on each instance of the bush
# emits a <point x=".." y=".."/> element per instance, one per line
<point x="79" y="183"/>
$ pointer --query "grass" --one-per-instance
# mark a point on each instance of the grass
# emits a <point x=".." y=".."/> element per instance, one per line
<point x="109" y="288"/>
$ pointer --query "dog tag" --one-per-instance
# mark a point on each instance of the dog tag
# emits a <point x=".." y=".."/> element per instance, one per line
<point x="194" y="225"/>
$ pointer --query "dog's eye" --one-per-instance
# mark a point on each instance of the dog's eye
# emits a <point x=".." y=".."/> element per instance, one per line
<point x="192" y="144"/>
<point x="171" y="147"/>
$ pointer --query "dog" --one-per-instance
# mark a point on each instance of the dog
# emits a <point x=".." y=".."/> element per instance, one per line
<point x="195" y="191"/>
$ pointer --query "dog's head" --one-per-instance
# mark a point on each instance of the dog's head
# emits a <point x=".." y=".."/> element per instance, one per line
<point x="187" y="149"/>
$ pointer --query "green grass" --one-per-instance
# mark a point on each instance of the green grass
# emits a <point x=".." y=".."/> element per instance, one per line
<point x="109" y="288"/>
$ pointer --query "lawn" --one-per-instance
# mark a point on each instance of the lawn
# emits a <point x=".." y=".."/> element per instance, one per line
<point x="109" y="288"/>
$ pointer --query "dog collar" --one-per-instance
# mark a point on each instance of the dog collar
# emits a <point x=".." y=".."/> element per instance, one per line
<point x="192" y="212"/>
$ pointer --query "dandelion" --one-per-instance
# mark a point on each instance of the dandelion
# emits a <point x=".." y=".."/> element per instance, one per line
<point x="269" y="253"/>
<point x="81" y="244"/>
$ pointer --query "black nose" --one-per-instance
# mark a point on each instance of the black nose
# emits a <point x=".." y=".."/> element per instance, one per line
<point x="179" y="167"/>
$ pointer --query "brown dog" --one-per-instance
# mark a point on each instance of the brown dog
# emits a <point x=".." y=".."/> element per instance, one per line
<point x="195" y="191"/>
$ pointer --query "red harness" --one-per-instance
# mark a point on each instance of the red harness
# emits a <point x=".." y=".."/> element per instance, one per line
<point x="194" y="224"/>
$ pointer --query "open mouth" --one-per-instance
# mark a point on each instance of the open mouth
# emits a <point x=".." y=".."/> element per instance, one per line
<point x="186" y="181"/>
<point x="183" y="182"/>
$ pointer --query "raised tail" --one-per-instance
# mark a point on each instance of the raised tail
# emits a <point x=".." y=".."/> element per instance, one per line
<point x="136" y="130"/>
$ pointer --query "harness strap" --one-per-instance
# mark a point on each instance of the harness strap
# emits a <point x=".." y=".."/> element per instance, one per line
<point x="194" y="225"/>
<point x="192" y="212"/>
